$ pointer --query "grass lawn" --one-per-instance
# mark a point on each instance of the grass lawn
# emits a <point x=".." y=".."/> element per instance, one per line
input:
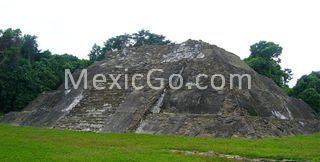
<point x="39" y="144"/>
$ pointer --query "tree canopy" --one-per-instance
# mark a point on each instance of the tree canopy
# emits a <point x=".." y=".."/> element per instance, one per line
<point x="26" y="71"/>
<point x="142" y="37"/>
<point x="308" y="89"/>
<point x="264" y="59"/>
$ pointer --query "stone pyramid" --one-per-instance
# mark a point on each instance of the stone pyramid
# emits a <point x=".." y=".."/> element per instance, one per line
<point x="259" y="111"/>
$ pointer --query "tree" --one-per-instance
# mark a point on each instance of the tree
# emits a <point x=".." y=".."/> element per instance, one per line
<point x="145" y="37"/>
<point x="308" y="89"/>
<point x="141" y="38"/>
<point x="95" y="53"/>
<point x="29" y="49"/>
<point x="264" y="59"/>
<point x="267" y="50"/>
<point x="117" y="43"/>
<point x="10" y="44"/>
<point x="312" y="97"/>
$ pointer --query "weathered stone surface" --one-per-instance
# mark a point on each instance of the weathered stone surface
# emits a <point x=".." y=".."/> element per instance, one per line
<point x="264" y="110"/>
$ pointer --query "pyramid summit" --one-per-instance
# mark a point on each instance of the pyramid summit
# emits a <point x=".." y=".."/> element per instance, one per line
<point x="259" y="108"/>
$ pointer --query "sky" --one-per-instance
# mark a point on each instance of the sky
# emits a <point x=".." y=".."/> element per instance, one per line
<point x="74" y="26"/>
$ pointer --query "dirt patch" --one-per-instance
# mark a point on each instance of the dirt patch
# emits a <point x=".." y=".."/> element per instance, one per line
<point x="231" y="157"/>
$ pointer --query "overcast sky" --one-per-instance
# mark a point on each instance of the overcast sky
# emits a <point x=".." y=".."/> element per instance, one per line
<point x="74" y="26"/>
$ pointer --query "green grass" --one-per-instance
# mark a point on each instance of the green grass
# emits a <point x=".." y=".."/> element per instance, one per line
<point x="39" y="144"/>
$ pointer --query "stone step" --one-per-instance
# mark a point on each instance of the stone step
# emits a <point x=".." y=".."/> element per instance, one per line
<point x="93" y="110"/>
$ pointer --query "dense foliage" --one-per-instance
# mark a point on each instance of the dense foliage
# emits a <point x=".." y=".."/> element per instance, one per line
<point x="142" y="37"/>
<point x="308" y="89"/>
<point x="264" y="59"/>
<point x="25" y="71"/>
